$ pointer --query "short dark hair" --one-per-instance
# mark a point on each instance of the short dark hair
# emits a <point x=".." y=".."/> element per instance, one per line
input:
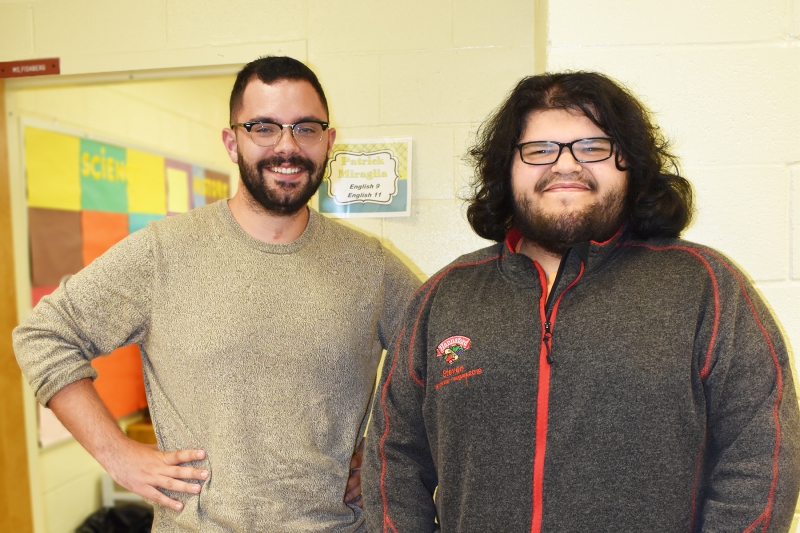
<point x="270" y="69"/>
<point x="659" y="201"/>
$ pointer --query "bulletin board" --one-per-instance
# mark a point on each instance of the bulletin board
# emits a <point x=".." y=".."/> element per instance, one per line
<point x="83" y="196"/>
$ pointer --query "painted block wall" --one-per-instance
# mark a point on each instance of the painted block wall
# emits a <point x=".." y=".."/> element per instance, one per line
<point x="432" y="73"/>
<point x="178" y="116"/>
<point x="430" y="70"/>
<point x="723" y="78"/>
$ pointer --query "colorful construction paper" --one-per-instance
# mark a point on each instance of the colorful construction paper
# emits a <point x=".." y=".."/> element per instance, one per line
<point x="84" y="196"/>
<point x="104" y="177"/>
<point x="120" y="382"/>
<point x="137" y="221"/>
<point x="52" y="174"/>
<point x="178" y="186"/>
<point x="37" y="293"/>
<point x="198" y="186"/>
<point x="100" y="232"/>
<point x="56" y="245"/>
<point x="216" y="186"/>
<point x="146" y="191"/>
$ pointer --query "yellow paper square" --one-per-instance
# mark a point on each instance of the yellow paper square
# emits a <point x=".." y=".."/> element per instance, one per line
<point x="52" y="169"/>
<point x="178" y="186"/>
<point x="146" y="188"/>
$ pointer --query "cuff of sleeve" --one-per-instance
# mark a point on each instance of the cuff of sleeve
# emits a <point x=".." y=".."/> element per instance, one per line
<point x="49" y="388"/>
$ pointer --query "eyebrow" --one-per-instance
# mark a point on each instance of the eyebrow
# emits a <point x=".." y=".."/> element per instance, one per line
<point x="306" y="118"/>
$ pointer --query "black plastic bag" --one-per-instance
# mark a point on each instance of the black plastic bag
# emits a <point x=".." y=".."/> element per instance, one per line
<point x="128" y="518"/>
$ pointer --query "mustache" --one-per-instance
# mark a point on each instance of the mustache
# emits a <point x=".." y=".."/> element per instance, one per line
<point x="295" y="161"/>
<point x="579" y="177"/>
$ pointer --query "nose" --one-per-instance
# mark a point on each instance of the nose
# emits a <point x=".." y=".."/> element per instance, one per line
<point x="565" y="164"/>
<point x="286" y="145"/>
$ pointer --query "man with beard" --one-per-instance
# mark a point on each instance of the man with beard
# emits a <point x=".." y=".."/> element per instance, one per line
<point x="591" y="371"/>
<point x="260" y="324"/>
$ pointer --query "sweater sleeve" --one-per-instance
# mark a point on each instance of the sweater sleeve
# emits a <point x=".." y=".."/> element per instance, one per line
<point x="99" y="309"/>
<point x="753" y="436"/>
<point x="399" y="283"/>
<point x="399" y="474"/>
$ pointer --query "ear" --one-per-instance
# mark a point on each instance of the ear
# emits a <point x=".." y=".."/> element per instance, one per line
<point x="331" y="138"/>
<point x="619" y="161"/>
<point x="229" y="140"/>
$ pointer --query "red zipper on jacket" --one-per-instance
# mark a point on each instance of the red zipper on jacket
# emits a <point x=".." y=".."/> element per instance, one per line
<point x="543" y="393"/>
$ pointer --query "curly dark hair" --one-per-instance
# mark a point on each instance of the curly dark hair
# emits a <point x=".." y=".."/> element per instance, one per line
<point x="659" y="201"/>
<point x="270" y="69"/>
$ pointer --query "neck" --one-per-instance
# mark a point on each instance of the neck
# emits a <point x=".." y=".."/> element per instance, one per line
<point x="263" y="225"/>
<point x="548" y="260"/>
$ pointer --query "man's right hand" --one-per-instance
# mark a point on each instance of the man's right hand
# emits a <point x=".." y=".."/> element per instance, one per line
<point x="138" y="467"/>
<point x="144" y="469"/>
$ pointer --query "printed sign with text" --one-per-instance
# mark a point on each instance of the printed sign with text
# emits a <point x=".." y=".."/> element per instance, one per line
<point x="367" y="178"/>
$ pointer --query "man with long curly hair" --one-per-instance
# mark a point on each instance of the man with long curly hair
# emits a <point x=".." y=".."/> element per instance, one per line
<point x="609" y="375"/>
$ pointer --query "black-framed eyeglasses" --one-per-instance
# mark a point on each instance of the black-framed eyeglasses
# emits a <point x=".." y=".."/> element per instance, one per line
<point x="589" y="150"/>
<point x="266" y="133"/>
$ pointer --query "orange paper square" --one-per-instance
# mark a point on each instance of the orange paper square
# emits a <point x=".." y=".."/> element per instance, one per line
<point x="120" y="383"/>
<point x="101" y="231"/>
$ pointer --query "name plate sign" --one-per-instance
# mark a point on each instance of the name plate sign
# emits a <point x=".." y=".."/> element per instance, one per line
<point x="30" y="67"/>
<point x="367" y="178"/>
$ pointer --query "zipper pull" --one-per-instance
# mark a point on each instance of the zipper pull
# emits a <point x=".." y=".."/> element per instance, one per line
<point x="548" y="337"/>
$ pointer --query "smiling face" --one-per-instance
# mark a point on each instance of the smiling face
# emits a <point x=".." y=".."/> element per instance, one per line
<point x="280" y="178"/>
<point x="558" y="205"/>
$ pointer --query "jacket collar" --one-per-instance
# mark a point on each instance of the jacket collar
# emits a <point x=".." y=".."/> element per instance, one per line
<point x="591" y="255"/>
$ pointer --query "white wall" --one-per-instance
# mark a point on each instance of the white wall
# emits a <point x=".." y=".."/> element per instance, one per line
<point x="430" y="70"/>
<point x="426" y="69"/>
<point x="723" y="78"/>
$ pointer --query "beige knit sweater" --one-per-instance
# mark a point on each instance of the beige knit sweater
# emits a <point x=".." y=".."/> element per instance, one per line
<point x="262" y="355"/>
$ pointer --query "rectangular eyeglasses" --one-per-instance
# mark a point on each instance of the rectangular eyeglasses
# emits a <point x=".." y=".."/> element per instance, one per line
<point x="267" y="133"/>
<point x="589" y="150"/>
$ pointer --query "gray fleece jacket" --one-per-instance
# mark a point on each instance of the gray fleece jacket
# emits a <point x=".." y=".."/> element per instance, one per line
<point x="263" y="355"/>
<point x="650" y="392"/>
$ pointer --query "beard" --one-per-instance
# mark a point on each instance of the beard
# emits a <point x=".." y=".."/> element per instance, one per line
<point x="557" y="232"/>
<point x="281" y="198"/>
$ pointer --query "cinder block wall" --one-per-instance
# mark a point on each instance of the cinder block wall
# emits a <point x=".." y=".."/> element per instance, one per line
<point x="178" y="116"/>
<point x="722" y="77"/>
<point x="426" y="70"/>
<point x="430" y="70"/>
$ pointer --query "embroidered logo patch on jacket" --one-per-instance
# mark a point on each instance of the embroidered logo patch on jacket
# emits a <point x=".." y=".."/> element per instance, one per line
<point x="453" y="347"/>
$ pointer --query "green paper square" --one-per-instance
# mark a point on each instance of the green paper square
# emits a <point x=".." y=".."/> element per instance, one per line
<point x="104" y="179"/>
